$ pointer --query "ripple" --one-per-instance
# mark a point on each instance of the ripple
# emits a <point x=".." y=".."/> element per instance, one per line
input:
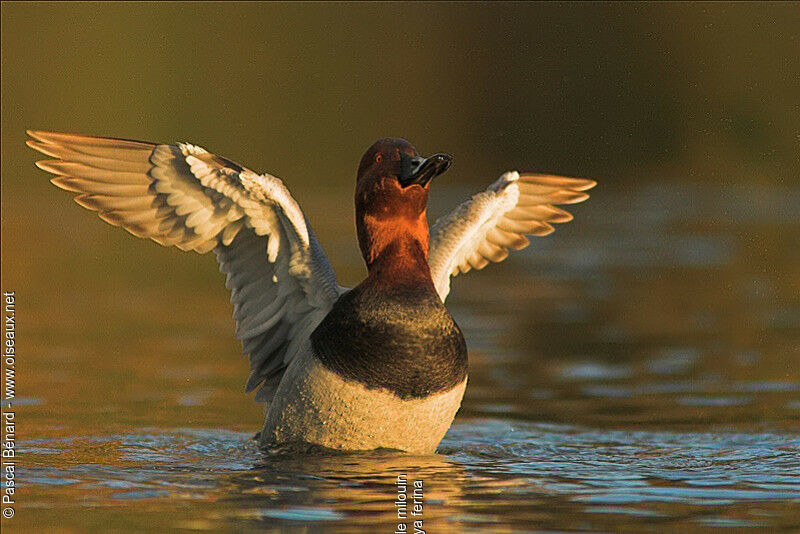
<point x="595" y="370"/>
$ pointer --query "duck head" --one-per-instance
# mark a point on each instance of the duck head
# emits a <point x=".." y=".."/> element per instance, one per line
<point x="392" y="199"/>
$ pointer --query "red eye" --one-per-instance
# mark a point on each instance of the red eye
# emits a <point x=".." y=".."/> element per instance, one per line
<point x="378" y="158"/>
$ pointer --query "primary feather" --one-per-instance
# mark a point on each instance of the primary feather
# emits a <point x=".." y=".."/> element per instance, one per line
<point x="485" y="228"/>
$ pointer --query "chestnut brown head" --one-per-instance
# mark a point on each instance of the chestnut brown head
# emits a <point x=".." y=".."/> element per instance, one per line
<point x="397" y="158"/>
<point x="392" y="194"/>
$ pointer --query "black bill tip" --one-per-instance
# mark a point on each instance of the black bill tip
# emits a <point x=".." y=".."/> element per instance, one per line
<point x="420" y="171"/>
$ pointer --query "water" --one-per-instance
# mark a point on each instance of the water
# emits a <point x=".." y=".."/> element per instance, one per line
<point x="637" y="370"/>
<point x="491" y="474"/>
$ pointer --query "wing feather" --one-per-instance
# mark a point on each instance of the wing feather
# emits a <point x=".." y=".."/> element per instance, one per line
<point x="180" y="195"/>
<point x="485" y="228"/>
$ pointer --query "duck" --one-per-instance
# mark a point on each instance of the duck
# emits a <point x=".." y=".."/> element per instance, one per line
<point x="382" y="365"/>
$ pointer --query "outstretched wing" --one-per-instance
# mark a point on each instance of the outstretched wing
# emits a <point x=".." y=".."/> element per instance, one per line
<point x="281" y="282"/>
<point x="484" y="228"/>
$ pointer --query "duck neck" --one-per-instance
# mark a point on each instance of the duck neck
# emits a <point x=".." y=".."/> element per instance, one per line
<point x="403" y="262"/>
<point x="395" y="248"/>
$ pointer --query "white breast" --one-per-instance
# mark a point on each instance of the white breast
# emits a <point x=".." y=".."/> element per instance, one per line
<point x="315" y="405"/>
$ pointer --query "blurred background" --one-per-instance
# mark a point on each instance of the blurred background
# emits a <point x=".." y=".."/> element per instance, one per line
<point x="670" y="305"/>
<point x="622" y="92"/>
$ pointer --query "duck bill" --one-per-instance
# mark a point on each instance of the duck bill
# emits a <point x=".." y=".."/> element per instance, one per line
<point x="420" y="171"/>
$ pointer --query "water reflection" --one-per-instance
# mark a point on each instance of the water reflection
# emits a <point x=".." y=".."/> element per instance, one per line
<point x="364" y="489"/>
